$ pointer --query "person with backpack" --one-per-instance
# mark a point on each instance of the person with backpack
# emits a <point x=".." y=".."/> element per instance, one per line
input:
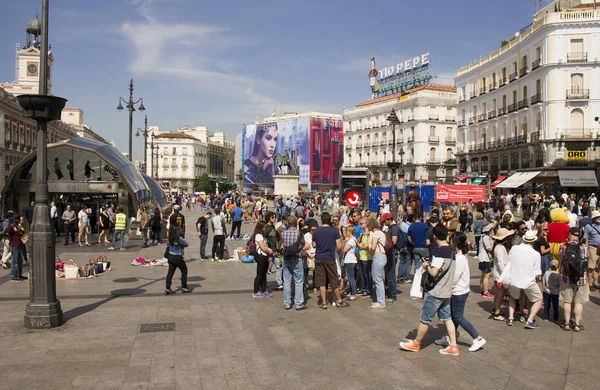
<point x="202" y="228"/>
<point x="175" y="251"/>
<point x="525" y="271"/>
<point x="394" y="242"/>
<point x="573" y="289"/>
<point x="257" y="247"/>
<point x="292" y="242"/>
<point x="219" y="232"/>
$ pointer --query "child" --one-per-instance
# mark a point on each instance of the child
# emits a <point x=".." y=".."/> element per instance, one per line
<point x="551" y="283"/>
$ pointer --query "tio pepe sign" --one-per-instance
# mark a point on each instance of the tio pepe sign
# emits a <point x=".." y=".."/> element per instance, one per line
<point x="353" y="198"/>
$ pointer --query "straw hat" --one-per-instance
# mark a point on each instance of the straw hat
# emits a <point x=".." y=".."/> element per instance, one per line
<point x="502" y="233"/>
<point x="530" y="236"/>
<point x="595" y="214"/>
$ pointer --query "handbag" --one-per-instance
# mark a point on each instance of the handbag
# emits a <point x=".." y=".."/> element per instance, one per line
<point x="226" y="255"/>
<point x="310" y="263"/>
<point x="416" y="290"/>
<point x="71" y="270"/>
<point x="429" y="282"/>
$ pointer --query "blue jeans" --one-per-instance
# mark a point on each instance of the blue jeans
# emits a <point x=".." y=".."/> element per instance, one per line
<point x="457" y="306"/>
<point x="118" y="232"/>
<point x="293" y="270"/>
<point x="390" y="270"/>
<point x="350" y="269"/>
<point x="432" y="305"/>
<point x="278" y="271"/>
<point x="379" y="262"/>
<point x="550" y="300"/>
<point x="203" y="239"/>
<point x="418" y="254"/>
<point x="405" y="265"/>
<point x="365" y="270"/>
<point x="16" y="263"/>
<point x="545" y="263"/>
<point x="145" y="236"/>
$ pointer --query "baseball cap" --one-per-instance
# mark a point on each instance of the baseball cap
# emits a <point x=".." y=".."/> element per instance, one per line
<point x="575" y="231"/>
<point x="177" y="207"/>
<point x="554" y="263"/>
<point x="385" y="217"/>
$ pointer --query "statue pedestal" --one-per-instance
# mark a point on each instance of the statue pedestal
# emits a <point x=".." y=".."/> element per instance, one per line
<point x="286" y="185"/>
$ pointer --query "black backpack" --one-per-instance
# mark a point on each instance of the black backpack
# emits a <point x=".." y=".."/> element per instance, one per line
<point x="292" y="252"/>
<point x="573" y="260"/>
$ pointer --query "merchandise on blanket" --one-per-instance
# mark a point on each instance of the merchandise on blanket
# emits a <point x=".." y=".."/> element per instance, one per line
<point x="59" y="274"/>
<point x="103" y="260"/>
<point x="98" y="269"/>
<point x="247" y="259"/>
<point x="58" y="264"/>
<point x="238" y="253"/>
<point x="86" y="271"/>
<point x="71" y="270"/>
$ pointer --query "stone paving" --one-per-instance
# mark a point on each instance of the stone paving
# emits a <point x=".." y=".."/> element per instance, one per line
<point x="225" y="339"/>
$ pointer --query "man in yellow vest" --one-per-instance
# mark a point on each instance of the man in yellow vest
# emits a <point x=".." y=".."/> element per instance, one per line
<point x="120" y="227"/>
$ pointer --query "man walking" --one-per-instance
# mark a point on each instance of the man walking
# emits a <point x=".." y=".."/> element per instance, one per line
<point x="525" y="271"/>
<point x="237" y="213"/>
<point x="202" y="228"/>
<point x="219" y="231"/>
<point x="68" y="219"/>
<point x="54" y="218"/>
<point x="177" y="219"/>
<point x="292" y="241"/>
<point x="592" y="237"/>
<point x="327" y="240"/>
<point x="120" y="227"/>
<point x="573" y="289"/>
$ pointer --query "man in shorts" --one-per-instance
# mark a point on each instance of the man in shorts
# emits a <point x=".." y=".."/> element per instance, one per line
<point x="573" y="289"/>
<point x="592" y="237"/>
<point x="525" y="272"/>
<point x="326" y="239"/>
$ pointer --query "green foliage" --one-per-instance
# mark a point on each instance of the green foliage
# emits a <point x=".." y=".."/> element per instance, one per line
<point x="504" y="43"/>
<point x="206" y="184"/>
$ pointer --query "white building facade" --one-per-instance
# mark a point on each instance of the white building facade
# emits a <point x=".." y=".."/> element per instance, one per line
<point x="425" y="136"/>
<point x="532" y="104"/>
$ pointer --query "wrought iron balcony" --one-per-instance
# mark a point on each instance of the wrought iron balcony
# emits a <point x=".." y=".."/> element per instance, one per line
<point x="471" y="120"/>
<point x="578" y="94"/>
<point x="434" y="161"/>
<point x="577" y="57"/>
<point x="481" y="118"/>
<point x="460" y="123"/>
<point x="523" y="71"/>
<point x="461" y="99"/>
<point x="492" y="86"/>
<point x="473" y="94"/>
<point x="536" y="64"/>
<point x="535" y="136"/>
<point x="512" y="108"/>
<point x="523" y="104"/>
<point x="450" y="119"/>
<point x="450" y="141"/>
<point x="502" y="111"/>
<point x="434" y="139"/>
<point x="491" y="145"/>
<point x="502" y="82"/>
<point x="482" y="91"/>
<point x="411" y="139"/>
<point x="434" y="117"/>
<point x="535" y="99"/>
<point x="510" y="141"/>
<point x="522" y="139"/>
<point x="512" y="77"/>
<point x="491" y="114"/>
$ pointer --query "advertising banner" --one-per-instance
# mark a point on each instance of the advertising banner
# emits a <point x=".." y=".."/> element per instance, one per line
<point x="459" y="193"/>
<point x="266" y="145"/>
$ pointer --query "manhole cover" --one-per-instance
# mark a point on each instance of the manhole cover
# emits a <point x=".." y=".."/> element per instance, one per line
<point x="158" y="327"/>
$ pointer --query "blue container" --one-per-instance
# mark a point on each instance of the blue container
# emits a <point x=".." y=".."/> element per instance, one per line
<point x="375" y="194"/>
<point x="427" y="193"/>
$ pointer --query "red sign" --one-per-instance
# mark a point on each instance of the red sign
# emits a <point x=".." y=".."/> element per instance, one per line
<point x="459" y="193"/>
<point x="353" y="198"/>
<point x="461" y="177"/>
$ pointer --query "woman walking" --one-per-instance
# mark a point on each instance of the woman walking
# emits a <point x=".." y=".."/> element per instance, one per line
<point x="104" y="223"/>
<point x="460" y="293"/>
<point x="500" y="254"/>
<point x="377" y="246"/>
<point x="262" y="262"/>
<point x="176" y="247"/>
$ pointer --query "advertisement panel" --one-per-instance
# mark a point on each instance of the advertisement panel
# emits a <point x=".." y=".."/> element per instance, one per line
<point x="459" y="193"/>
<point x="266" y="144"/>
<point x="312" y="146"/>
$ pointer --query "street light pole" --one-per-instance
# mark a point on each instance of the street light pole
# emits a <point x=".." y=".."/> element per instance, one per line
<point x="131" y="108"/>
<point x="393" y="165"/>
<point x="145" y="134"/>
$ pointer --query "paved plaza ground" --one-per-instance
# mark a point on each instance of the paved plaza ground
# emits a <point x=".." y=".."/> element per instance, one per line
<point x="225" y="339"/>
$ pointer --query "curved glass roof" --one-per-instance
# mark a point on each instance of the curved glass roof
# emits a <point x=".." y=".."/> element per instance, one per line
<point x="155" y="189"/>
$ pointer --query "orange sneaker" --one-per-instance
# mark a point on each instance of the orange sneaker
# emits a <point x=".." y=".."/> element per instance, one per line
<point x="410" y="345"/>
<point x="450" y="350"/>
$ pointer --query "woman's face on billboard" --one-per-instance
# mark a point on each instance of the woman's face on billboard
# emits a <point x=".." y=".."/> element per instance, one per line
<point x="268" y="142"/>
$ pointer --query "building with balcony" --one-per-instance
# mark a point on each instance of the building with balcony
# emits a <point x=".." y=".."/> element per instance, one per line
<point x="530" y="105"/>
<point x="425" y="137"/>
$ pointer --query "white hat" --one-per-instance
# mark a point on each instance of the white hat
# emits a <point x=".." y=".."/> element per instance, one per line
<point x="530" y="236"/>
<point x="502" y="233"/>
<point x="595" y="214"/>
<point x="177" y="207"/>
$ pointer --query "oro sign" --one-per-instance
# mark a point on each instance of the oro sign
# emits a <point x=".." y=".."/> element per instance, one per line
<point x="353" y="198"/>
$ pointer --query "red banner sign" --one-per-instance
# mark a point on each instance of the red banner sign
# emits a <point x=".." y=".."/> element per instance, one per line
<point x="459" y="193"/>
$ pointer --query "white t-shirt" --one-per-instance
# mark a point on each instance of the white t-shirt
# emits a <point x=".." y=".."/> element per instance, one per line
<point x="308" y="238"/>
<point x="257" y="239"/>
<point x="350" y="256"/>
<point x="485" y="244"/>
<point x="461" y="275"/>
<point x="572" y="219"/>
<point x="380" y="236"/>
<point x="83" y="217"/>
<point x="500" y="261"/>
<point x="217" y="225"/>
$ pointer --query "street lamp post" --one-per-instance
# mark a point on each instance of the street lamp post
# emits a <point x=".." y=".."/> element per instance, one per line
<point x="44" y="309"/>
<point x="152" y="147"/>
<point x="393" y="165"/>
<point x="131" y="108"/>
<point x="401" y="153"/>
<point x="145" y="134"/>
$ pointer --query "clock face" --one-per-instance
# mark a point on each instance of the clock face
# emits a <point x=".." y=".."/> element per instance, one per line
<point x="32" y="69"/>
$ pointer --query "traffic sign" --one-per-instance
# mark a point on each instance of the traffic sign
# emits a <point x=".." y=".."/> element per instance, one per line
<point x="353" y="198"/>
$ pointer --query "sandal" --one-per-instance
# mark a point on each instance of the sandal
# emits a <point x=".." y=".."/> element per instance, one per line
<point x="498" y="317"/>
<point x="566" y="327"/>
<point x="577" y="328"/>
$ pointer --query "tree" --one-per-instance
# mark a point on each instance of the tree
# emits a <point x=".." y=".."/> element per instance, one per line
<point x="206" y="184"/>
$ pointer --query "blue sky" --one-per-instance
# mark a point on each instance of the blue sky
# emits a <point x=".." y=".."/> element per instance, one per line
<point x="224" y="63"/>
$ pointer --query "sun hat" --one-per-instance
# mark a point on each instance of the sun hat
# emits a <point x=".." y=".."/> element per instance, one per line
<point x="502" y="233"/>
<point x="530" y="236"/>
<point x="595" y="214"/>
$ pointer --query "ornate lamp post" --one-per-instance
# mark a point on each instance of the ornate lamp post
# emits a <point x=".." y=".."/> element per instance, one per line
<point x="153" y="173"/>
<point x="43" y="309"/>
<point x="401" y="153"/>
<point x="393" y="165"/>
<point x="131" y="108"/>
<point x="145" y="134"/>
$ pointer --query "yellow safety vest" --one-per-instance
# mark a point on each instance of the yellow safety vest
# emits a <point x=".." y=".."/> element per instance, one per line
<point x="120" y="221"/>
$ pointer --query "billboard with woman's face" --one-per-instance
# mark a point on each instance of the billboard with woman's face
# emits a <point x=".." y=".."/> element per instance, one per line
<point x="311" y="143"/>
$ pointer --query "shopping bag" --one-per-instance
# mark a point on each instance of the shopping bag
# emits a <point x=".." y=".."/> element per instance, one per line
<point x="71" y="270"/>
<point x="416" y="290"/>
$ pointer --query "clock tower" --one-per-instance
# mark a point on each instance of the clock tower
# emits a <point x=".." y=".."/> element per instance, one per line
<point x="28" y="63"/>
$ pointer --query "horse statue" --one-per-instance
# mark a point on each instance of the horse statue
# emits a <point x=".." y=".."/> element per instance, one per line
<point x="286" y="161"/>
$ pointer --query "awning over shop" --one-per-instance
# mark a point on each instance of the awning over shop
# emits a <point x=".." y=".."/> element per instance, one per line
<point x="518" y="179"/>
<point x="499" y="180"/>
<point x="478" y="180"/>
<point x="579" y="178"/>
